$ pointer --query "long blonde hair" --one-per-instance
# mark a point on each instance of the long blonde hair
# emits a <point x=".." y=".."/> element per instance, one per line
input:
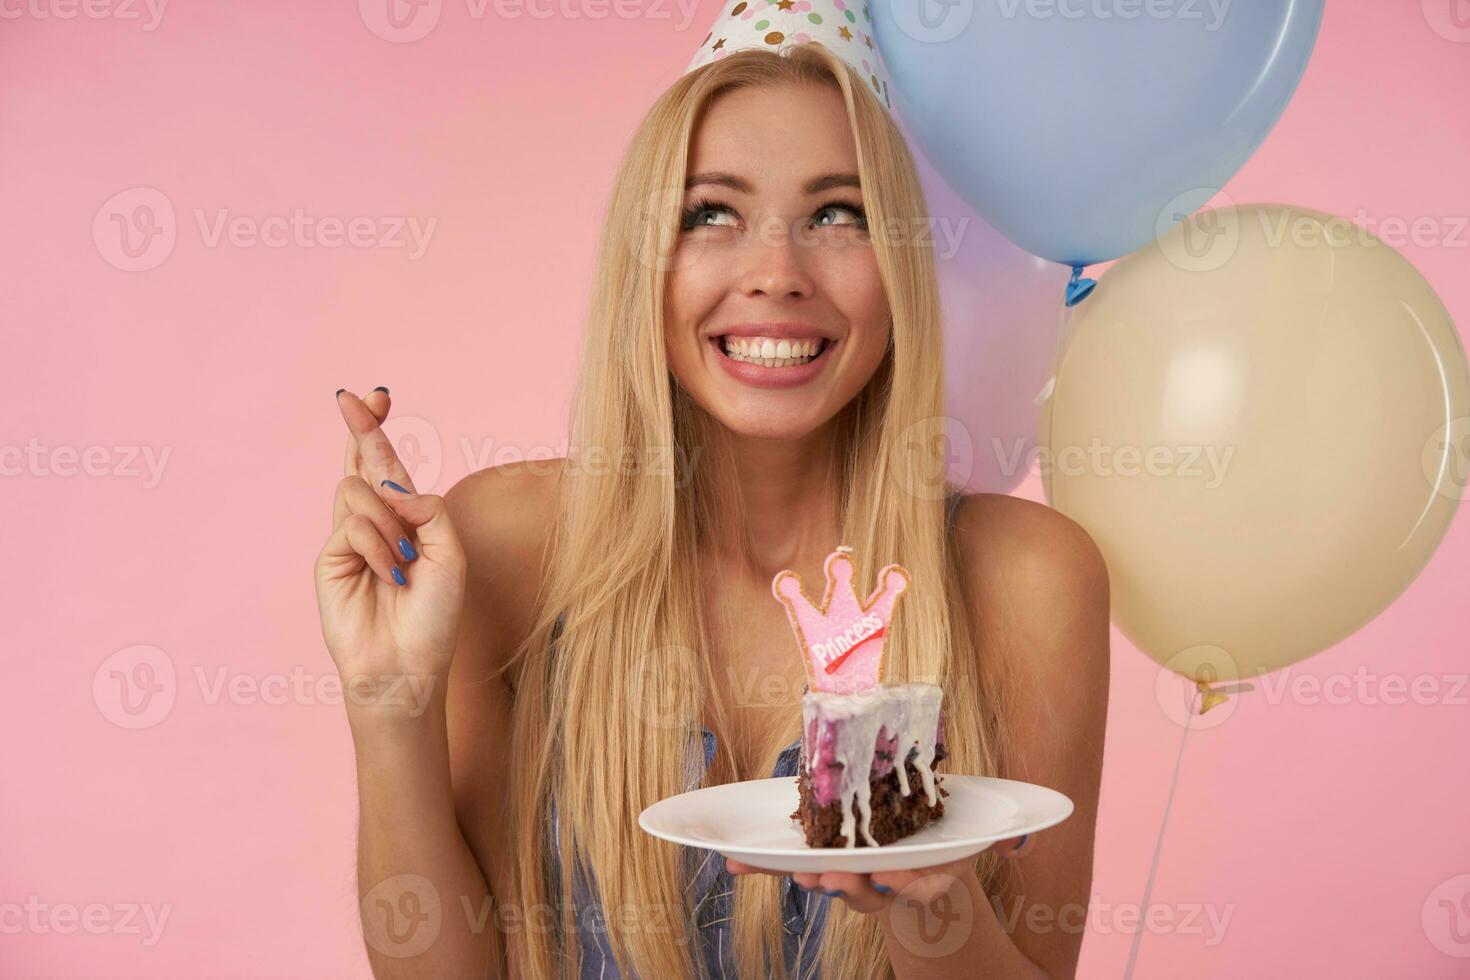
<point x="594" y="727"/>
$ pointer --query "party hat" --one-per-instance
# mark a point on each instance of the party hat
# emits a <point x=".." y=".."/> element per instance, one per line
<point x="844" y="27"/>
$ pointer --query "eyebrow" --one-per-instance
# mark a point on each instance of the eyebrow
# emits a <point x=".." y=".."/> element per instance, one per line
<point x="720" y="178"/>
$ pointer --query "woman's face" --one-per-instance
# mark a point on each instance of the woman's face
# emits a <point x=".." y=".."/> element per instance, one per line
<point x="776" y="317"/>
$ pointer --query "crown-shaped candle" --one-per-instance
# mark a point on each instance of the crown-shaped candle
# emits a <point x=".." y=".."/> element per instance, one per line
<point x="842" y="639"/>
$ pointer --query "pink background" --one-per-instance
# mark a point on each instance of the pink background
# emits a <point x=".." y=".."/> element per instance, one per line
<point x="1320" y="828"/>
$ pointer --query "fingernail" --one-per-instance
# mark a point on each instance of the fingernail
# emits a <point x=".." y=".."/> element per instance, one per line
<point x="828" y="891"/>
<point x="1022" y="842"/>
<point x="405" y="546"/>
<point x="398" y="576"/>
<point x="339" y="392"/>
<point x="390" y="483"/>
<point x="382" y="388"/>
<point x="884" y="889"/>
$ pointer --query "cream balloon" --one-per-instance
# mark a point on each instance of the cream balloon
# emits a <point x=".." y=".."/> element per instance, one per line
<point x="1263" y="419"/>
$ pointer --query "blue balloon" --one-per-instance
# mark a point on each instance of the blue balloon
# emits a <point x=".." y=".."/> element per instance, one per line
<point x="1084" y="129"/>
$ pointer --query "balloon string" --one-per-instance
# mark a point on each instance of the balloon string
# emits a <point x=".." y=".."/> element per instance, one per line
<point x="1064" y="316"/>
<point x="1153" y="868"/>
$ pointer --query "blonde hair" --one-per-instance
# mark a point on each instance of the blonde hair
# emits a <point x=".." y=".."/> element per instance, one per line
<point x="593" y="727"/>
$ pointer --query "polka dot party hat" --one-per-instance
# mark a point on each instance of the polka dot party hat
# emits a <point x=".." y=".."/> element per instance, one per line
<point x="843" y="26"/>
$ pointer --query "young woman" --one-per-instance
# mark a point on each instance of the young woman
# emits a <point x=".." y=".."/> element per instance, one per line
<point x="585" y="627"/>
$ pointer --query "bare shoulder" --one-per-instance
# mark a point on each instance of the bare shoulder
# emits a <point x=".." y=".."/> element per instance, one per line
<point x="506" y="504"/>
<point x="1017" y="539"/>
<point x="1040" y="576"/>
<point x="504" y="516"/>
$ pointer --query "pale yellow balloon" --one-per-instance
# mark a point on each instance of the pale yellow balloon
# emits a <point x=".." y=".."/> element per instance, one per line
<point x="1263" y="419"/>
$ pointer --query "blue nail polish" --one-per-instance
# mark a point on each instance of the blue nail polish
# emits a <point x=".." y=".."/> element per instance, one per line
<point x="406" y="546"/>
<point x="1022" y="842"/>
<point x="398" y="576"/>
<point x="391" y="484"/>
<point x="381" y="388"/>
<point x="827" y="891"/>
<point x="884" y="889"/>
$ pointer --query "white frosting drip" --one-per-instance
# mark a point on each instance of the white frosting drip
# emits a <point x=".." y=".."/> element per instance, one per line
<point x="909" y="711"/>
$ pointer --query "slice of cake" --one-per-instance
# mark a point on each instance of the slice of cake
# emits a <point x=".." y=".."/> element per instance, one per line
<point x="853" y="792"/>
<point x="868" y="748"/>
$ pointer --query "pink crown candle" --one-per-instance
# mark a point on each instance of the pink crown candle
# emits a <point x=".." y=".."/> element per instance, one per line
<point x="843" y="638"/>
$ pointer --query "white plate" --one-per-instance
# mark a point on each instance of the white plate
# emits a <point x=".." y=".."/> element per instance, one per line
<point x="751" y="822"/>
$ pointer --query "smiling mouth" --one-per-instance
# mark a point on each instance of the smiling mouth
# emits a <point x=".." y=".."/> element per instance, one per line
<point x="771" y="353"/>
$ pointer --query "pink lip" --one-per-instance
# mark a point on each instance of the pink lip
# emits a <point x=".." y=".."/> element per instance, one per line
<point x="760" y="376"/>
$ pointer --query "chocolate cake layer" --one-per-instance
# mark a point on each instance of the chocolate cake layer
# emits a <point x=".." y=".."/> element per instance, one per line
<point x="893" y="815"/>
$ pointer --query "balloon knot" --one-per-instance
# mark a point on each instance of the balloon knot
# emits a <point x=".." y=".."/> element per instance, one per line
<point x="1209" y="697"/>
<point x="1078" y="288"/>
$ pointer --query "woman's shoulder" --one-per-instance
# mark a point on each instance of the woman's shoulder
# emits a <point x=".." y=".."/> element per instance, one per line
<point x="1028" y="562"/>
<point x="998" y="528"/>
<point x="504" y="516"/>
<point x="506" y="504"/>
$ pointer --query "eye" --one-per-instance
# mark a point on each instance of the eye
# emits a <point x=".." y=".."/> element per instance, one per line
<point x="856" y="210"/>
<point x="695" y="214"/>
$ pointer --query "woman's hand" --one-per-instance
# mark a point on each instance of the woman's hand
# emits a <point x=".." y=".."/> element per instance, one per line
<point x="876" y="891"/>
<point x="390" y="579"/>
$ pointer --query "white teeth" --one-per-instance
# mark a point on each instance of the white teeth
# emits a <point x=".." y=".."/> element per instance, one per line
<point x="769" y="352"/>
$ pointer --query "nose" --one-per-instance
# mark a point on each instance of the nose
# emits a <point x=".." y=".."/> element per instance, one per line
<point x="774" y="265"/>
